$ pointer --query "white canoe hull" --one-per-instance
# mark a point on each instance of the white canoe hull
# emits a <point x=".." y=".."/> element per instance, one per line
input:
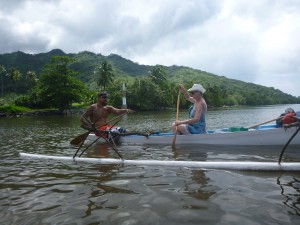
<point x="262" y="137"/>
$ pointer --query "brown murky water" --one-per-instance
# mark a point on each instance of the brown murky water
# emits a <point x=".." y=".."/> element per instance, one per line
<point x="56" y="192"/>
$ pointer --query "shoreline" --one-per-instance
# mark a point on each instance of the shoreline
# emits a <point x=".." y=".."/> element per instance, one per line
<point x="42" y="113"/>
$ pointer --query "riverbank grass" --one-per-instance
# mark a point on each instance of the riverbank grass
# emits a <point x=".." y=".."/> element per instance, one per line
<point x="11" y="109"/>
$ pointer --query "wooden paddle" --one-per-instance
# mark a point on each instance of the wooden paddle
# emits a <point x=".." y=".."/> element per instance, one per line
<point x="264" y="123"/>
<point x="77" y="140"/>
<point x="177" y="113"/>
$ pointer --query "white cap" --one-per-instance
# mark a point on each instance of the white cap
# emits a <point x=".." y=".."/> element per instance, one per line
<point x="197" y="87"/>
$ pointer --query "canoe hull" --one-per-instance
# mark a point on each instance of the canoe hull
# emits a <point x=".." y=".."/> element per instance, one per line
<point x="263" y="137"/>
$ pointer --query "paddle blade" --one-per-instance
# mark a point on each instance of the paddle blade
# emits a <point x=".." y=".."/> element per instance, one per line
<point x="79" y="139"/>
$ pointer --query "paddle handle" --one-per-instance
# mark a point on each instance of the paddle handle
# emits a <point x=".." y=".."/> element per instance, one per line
<point x="264" y="123"/>
<point x="177" y="109"/>
<point x="113" y="119"/>
<point x="117" y="117"/>
<point x="177" y="116"/>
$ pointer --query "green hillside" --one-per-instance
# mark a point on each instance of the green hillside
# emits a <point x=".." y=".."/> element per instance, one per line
<point x="246" y="93"/>
<point x="232" y="92"/>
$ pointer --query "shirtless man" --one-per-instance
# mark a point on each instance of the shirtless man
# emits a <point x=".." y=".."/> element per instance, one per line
<point x="99" y="112"/>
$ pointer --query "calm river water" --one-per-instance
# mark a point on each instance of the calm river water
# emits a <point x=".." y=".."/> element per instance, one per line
<point x="35" y="192"/>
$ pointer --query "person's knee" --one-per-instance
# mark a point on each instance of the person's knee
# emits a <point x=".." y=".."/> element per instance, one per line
<point x="182" y="129"/>
<point x="173" y="127"/>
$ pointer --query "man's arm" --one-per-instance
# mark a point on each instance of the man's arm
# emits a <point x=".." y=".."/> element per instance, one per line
<point x="84" y="119"/>
<point x="119" y="111"/>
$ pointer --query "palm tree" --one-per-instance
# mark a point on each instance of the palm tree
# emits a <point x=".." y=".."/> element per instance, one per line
<point x="104" y="74"/>
<point x="31" y="76"/>
<point x="2" y="71"/>
<point x="14" y="74"/>
<point x="158" y="75"/>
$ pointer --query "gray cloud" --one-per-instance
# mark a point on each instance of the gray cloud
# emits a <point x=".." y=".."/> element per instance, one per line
<point x="253" y="41"/>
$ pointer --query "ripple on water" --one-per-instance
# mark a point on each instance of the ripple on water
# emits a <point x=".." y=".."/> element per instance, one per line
<point x="38" y="192"/>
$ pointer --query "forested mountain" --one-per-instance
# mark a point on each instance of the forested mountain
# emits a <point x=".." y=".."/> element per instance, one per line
<point x="234" y="91"/>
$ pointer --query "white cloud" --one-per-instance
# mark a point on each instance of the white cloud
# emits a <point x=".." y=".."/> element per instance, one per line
<point x="255" y="41"/>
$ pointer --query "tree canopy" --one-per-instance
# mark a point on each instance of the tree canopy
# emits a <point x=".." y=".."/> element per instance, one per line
<point x="58" y="87"/>
<point x="78" y="77"/>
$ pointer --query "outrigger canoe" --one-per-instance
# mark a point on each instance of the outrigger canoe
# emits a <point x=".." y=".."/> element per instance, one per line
<point x="264" y="135"/>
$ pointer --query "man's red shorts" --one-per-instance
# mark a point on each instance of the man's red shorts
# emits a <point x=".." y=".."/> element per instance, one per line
<point x="107" y="128"/>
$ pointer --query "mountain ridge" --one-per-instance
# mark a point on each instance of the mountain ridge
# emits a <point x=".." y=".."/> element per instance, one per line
<point x="86" y="62"/>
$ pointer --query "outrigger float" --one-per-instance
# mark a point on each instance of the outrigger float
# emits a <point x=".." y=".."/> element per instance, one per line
<point x="220" y="165"/>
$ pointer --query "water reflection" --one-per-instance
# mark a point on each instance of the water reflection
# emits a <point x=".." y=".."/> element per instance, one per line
<point x="197" y="185"/>
<point x="188" y="153"/>
<point x="99" y="150"/>
<point x="36" y="191"/>
<point x="106" y="186"/>
<point x="290" y="189"/>
<point x="201" y="190"/>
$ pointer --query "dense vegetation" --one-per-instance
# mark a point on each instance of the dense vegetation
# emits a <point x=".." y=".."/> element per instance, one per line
<point x="57" y="80"/>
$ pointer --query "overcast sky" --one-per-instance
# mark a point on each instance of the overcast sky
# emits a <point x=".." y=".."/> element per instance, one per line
<point x="255" y="41"/>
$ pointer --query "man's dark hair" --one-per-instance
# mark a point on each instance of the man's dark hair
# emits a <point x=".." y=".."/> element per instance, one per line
<point x="103" y="94"/>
